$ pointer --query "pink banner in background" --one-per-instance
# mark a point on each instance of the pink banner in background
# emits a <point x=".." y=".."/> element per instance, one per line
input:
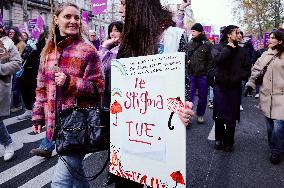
<point x="207" y="29"/>
<point x="1" y="20"/>
<point x="99" y="6"/>
<point x="36" y="27"/>
<point x="31" y="24"/>
<point x="85" y="19"/>
<point x="216" y="37"/>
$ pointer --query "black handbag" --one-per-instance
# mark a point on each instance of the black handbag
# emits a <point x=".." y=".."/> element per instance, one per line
<point x="259" y="78"/>
<point x="82" y="130"/>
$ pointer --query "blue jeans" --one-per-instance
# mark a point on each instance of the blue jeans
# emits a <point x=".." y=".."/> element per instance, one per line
<point x="211" y="94"/>
<point x="46" y="144"/>
<point x="257" y="87"/>
<point x="5" y="138"/>
<point x="16" y="91"/>
<point x="275" y="134"/>
<point x="200" y="83"/>
<point x="62" y="177"/>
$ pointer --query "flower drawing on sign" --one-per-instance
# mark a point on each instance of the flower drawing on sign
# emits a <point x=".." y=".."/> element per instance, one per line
<point x="114" y="109"/>
<point x="116" y="91"/>
<point x="116" y="64"/>
<point x="114" y="159"/>
<point x="173" y="105"/>
<point x="178" y="178"/>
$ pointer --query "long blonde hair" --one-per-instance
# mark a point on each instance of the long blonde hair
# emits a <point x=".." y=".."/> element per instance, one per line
<point x="54" y="30"/>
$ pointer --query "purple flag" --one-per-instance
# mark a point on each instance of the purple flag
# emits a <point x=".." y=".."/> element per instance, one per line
<point x="207" y="29"/>
<point x="36" y="27"/>
<point x="265" y="38"/>
<point x="1" y="20"/>
<point x="216" y="37"/>
<point x="99" y="6"/>
<point x="31" y="24"/>
<point x="256" y="44"/>
<point x="85" y="19"/>
<point x="40" y="23"/>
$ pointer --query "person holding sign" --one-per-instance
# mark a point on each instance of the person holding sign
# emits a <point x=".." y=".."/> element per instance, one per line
<point x="148" y="30"/>
<point x="70" y="73"/>
<point x="108" y="52"/>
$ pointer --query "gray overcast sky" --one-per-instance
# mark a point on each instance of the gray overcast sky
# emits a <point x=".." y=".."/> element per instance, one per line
<point x="211" y="12"/>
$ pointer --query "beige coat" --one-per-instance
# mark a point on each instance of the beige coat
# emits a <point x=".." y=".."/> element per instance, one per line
<point x="272" y="88"/>
<point x="9" y="64"/>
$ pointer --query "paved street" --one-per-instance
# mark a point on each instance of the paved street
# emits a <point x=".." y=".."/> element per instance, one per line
<point x="247" y="166"/>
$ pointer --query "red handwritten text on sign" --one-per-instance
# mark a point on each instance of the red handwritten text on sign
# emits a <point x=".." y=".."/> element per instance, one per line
<point x="142" y="101"/>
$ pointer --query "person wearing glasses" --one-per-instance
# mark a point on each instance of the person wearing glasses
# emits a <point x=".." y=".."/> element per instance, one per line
<point x="94" y="40"/>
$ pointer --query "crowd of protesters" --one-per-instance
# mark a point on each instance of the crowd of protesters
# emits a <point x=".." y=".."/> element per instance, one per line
<point x="217" y="73"/>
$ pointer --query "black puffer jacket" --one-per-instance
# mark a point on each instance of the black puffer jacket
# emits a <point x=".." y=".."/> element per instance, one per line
<point x="230" y="65"/>
<point x="199" y="54"/>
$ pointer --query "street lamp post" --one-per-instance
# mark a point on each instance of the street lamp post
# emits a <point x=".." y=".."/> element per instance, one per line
<point x="51" y="6"/>
<point x="1" y="5"/>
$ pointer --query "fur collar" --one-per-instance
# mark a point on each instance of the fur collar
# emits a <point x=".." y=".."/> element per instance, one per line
<point x="7" y="42"/>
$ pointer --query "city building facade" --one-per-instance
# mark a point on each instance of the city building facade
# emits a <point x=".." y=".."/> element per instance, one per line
<point x="14" y="11"/>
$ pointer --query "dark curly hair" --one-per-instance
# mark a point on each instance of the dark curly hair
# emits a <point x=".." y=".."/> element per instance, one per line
<point x="279" y="35"/>
<point x="18" y="36"/>
<point x="144" y="23"/>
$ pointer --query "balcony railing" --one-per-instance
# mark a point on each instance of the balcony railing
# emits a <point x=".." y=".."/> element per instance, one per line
<point x="43" y="2"/>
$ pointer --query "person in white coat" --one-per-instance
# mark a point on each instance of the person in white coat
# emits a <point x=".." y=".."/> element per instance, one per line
<point x="10" y="61"/>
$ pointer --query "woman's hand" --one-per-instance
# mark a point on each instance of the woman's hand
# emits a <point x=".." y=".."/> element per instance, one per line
<point x="37" y="128"/>
<point x="231" y="44"/>
<point x="60" y="78"/>
<point x="248" y="91"/>
<point x="107" y="43"/>
<point x="183" y="4"/>
<point x="186" y="113"/>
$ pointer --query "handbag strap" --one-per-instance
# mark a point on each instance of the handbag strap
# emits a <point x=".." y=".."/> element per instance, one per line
<point x="267" y="64"/>
<point x="74" y="172"/>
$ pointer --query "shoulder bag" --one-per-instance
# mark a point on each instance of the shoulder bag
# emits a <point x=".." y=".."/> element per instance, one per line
<point x="82" y="130"/>
<point x="259" y="78"/>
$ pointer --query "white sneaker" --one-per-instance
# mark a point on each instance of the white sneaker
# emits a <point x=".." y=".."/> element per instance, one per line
<point x="200" y="120"/>
<point x="241" y="108"/>
<point x="256" y="96"/>
<point x="26" y="115"/>
<point x="9" y="152"/>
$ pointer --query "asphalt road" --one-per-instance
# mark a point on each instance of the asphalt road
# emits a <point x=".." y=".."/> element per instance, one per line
<point x="247" y="166"/>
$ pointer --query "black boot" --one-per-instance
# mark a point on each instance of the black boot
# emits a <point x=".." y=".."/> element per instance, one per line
<point x="218" y="145"/>
<point x="275" y="158"/>
<point x="229" y="148"/>
<point x="110" y="179"/>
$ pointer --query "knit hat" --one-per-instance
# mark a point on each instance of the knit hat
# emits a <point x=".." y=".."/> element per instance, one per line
<point x="197" y="27"/>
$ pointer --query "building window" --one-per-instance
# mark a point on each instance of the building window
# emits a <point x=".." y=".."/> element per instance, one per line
<point x="6" y="15"/>
<point x="44" y="17"/>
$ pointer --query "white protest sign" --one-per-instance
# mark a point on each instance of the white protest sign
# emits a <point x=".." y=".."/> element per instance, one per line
<point x="148" y="140"/>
